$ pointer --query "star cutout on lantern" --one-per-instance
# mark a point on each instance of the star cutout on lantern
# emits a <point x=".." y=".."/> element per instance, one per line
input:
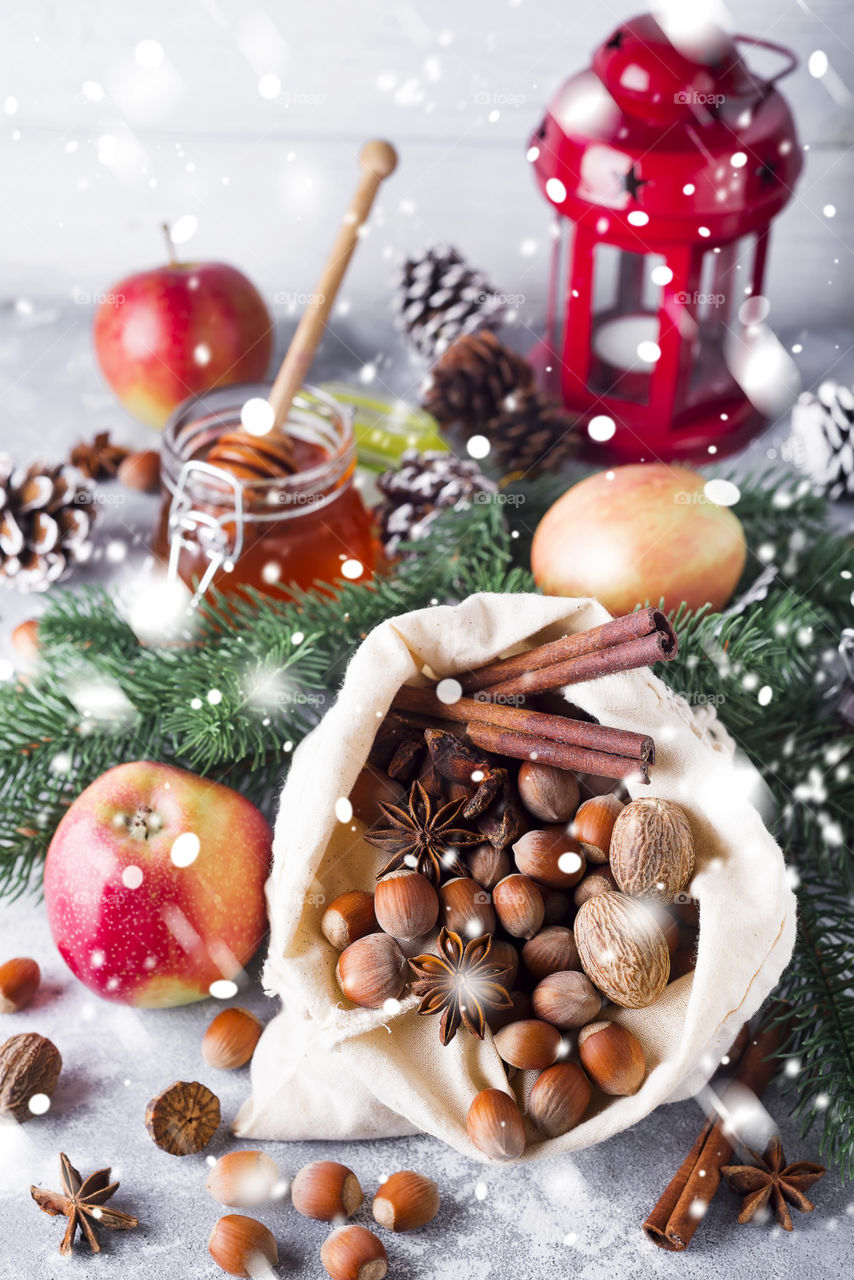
<point x="616" y="41"/>
<point x="766" y="172"/>
<point x="632" y="182"/>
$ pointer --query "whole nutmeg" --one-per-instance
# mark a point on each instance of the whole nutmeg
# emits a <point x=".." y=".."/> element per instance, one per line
<point x="244" y="1179"/>
<point x="598" y="880"/>
<point x="612" y="1057"/>
<point x="550" y="856"/>
<point x="372" y="970"/>
<point x="242" y="1246"/>
<point x="550" y="951"/>
<point x="354" y="1253"/>
<point x="548" y="793"/>
<point x="371" y="788"/>
<point x="230" y="1040"/>
<point x="504" y="953"/>
<point x="406" y="1201"/>
<point x="488" y="865"/>
<point x="652" y="849"/>
<point x="406" y="904"/>
<point x="594" y="824"/>
<point x="466" y="907"/>
<point x="559" y="1099"/>
<point x="495" y="1125"/>
<point x="531" y="1045"/>
<point x="566" y="999"/>
<point x="520" y="1009"/>
<point x="349" y="916"/>
<point x="19" y="982"/>
<point x="326" y="1190"/>
<point x="140" y="471"/>
<point x="622" y="949"/>
<point x="29" y="1070"/>
<point x="519" y="905"/>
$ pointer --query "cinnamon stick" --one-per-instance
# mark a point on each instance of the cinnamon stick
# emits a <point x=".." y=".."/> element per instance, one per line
<point x="587" y="666"/>
<point x="610" y="636"/>
<point x="540" y="724"/>
<point x="685" y="1200"/>
<point x="563" y="755"/>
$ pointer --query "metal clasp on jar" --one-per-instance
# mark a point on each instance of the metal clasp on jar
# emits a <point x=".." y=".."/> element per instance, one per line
<point x="190" y="528"/>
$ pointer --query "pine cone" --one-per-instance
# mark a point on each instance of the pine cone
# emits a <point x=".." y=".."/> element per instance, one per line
<point x="531" y="434"/>
<point x="822" y="439"/>
<point x="440" y="297"/>
<point x="46" y="516"/>
<point x="470" y="382"/>
<point x="422" y="486"/>
<point x="99" y="458"/>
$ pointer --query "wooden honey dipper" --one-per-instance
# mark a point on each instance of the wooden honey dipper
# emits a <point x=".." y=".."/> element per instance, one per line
<point x="250" y="456"/>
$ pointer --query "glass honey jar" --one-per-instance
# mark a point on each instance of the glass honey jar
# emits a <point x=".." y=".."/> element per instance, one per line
<point x="233" y="518"/>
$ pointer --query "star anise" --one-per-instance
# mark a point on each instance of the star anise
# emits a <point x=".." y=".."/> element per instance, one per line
<point x="422" y="837"/>
<point x="461" y="982"/>
<point x="770" y="1178"/>
<point x="82" y="1203"/>
<point x="98" y="458"/>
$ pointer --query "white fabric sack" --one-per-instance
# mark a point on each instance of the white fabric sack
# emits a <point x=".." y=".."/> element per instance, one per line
<point x="326" y="1070"/>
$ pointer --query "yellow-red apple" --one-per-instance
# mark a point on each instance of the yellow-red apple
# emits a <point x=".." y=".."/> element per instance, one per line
<point x="641" y="533"/>
<point x="154" y="884"/>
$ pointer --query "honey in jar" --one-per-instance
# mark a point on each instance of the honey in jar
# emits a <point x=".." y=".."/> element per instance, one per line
<point x="264" y="509"/>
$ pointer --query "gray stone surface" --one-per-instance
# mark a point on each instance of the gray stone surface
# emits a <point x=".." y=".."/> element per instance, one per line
<point x="576" y="1217"/>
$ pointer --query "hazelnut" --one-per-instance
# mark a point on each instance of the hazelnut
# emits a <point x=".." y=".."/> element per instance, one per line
<point x="406" y="904"/>
<point x="503" y="952"/>
<point x="594" y="824"/>
<point x="230" y="1040"/>
<point x="495" y="1125"/>
<point x="687" y="911"/>
<point x="548" y="793"/>
<point x="372" y="970"/>
<point x="354" y="1253"/>
<point x="519" y="905"/>
<point x="25" y="639"/>
<point x="612" y="1057"/>
<point x="520" y="1009"/>
<point x="598" y="880"/>
<point x="684" y="961"/>
<point x="671" y="931"/>
<point x="559" y="1099"/>
<point x="531" y="1045"/>
<point x="348" y="917"/>
<point x="652" y="849"/>
<point x="327" y="1191"/>
<point x="551" y="856"/>
<point x="406" y="1201"/>
<point x="566" y="999"/>
<point x="242" y="1246"/>
<point x="370" y="788"/>
<point x="140" y="471"/>
<point x="466" y="907"/>
<point x="243" y="1179"/>
<point x="551" y="951"/>
<point x="19" y="981"/>
<point x="622" y="949"/>
<point x="556" y="905"/>
<point x="488" y="865"/>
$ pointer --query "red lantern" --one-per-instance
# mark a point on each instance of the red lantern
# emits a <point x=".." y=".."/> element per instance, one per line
<point x="667" y="159"/>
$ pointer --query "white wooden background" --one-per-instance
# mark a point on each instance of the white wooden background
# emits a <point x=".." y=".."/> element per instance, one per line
<point x="252" y="118"/>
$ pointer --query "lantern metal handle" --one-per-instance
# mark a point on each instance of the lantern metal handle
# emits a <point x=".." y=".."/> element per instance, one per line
<point x="790" y="58"/>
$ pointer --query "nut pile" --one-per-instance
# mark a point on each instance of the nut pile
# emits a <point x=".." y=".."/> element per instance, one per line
<point x="502" y="902"/>
<point x="324" y="1190"/>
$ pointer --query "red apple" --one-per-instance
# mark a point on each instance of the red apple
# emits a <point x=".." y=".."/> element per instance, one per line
<point x="154" y="884"/>
<point x="174" y="331"/>
<point x="641" y="533"/>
